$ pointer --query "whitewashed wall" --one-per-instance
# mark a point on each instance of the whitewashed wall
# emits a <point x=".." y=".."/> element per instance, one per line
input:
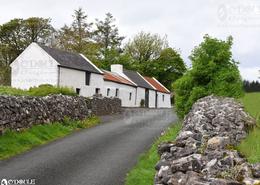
<point x="140" y="96"/>
<point x="124" y="92"/>
<point x="152" y="95"/>
<point x="76" y="79"/>
<point x="167" y="100"/>
<point x="33" y="68"/>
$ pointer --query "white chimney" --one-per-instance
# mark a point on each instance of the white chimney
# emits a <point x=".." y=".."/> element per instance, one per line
<point x="116" y="68"/>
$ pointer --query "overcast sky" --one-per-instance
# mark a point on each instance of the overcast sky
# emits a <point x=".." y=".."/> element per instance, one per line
<point x="183" y="21"/>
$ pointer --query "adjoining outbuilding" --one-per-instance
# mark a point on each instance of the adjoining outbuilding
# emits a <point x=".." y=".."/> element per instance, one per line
<point x="145" y="92"/>
<point x="118" y="86"/>
<point x="162" y="94"/>
<point x="38" y="65"/>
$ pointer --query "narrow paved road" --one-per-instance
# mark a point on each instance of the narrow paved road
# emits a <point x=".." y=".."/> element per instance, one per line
<point x="101" y="155"/>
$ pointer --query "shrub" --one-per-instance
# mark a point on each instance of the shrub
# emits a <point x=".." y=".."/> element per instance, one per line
<point x="42" y="90"/>
<point x="7" y="90"/>
<point x="213" y="72"/>
<point x="142" y="102"/>
<point x="46" y="89"/>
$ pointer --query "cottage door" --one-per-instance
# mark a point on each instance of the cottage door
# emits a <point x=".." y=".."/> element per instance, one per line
<point x="146" y="98"/>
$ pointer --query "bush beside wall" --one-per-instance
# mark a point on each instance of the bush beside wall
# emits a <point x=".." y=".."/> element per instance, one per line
<point x="42" y="90"/>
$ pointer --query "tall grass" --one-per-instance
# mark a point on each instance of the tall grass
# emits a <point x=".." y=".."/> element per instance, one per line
<point x="12" y="142"/>
<point x="250" y="147"/>
<point x="143" y="172"/>
<point x="42" y="90"/>
<point x="251" y="101"/>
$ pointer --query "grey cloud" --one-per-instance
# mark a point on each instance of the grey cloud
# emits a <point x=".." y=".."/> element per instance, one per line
<point x="185" y="22"/>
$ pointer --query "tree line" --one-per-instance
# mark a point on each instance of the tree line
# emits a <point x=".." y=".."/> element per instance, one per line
<point x="100" y="41"/>
<point x="253" y="86"/>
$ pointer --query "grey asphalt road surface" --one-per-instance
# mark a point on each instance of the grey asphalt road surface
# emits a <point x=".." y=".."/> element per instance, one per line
<point x="101" y="155"/>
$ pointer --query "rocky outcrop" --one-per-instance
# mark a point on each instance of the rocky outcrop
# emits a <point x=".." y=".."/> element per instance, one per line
<point x="17" y="112"/>
<point x="203" y="152"/>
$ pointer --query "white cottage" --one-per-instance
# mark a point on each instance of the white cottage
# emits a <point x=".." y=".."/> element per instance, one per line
<point x="39" y="64"/>
<point x="154" y="94"/>
<point x="118" y="86"/>
<point x="162" y="94"/>
<point x="44" y="65"/>
<point x="144" y="90"/>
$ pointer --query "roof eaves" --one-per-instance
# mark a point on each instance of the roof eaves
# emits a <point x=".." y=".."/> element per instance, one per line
<point x="161" y="85"/>
<point x="91" y="63"/>
<point x="129" y="79"/>
<point x="146" y="81"/>
<point x="119" y="78"/>
<point x="67" y="67"/>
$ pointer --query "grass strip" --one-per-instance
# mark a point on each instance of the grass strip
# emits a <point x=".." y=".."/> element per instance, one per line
<point x="143" y="172"/>
<point x="13" y="143"/>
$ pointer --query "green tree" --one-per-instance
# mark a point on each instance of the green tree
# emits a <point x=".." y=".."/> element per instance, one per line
<point x="107" y="37"/>
<point x="113" y="56"/>
<point x="37" y="29"/>
<point x="107" y="33"/>
<point x="213" y="72"/>
<point x="76" y="37"/>
<point x="167" y="68"/>
<point x="145" y="47"/>
<point x="12" y="41"/>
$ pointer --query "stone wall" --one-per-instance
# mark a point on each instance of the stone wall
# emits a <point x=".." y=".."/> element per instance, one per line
<point x="203" y="152"/>
<point x="100" y="105"/>
<point x="23" y="111"/>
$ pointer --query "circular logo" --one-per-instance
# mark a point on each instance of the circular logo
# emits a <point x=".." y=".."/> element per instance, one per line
<point x="222" y="12"/>
<point x="3" y="182"/>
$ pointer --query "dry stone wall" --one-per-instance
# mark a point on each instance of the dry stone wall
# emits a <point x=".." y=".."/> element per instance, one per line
<point x="203" y="152"/>
<point x="17" y="112"/>
<point x="100" y="105"/>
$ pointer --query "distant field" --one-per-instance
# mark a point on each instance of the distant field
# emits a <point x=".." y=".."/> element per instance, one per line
<point x="250" y="147"/>
<point x="251" y="102"/>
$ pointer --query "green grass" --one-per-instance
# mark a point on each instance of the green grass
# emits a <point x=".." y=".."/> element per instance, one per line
<point x="143" y="173"/>
<point x="13" y="143"/>
<point x="251" y="101"/>
<point x="250" y="147"/>
<point x="42" y="90"/>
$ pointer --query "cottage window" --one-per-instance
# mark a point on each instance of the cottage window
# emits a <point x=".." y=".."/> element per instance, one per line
<point x="117" y="92"/>
<point x="130" y="96"/>
<point x="108" y="91"/>
<point x="78" y="91"/>
<point x="163" y="97"/>
<point x="87" y="78"/>
<point x="97" y="90"/>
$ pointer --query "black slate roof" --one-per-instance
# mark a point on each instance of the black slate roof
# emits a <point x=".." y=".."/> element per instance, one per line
<point x="137" y="79"/>
<point x="70" y="60"/>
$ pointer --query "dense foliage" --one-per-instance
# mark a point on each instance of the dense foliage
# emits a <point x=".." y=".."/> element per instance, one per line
<point x="42" y="90"/>
<point x="213" y="72"/>
<point x="167" y="68"/>
<point x="253" y="86"/>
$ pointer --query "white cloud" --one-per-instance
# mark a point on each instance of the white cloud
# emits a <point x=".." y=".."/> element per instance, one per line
<point x="250" y="73"/>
